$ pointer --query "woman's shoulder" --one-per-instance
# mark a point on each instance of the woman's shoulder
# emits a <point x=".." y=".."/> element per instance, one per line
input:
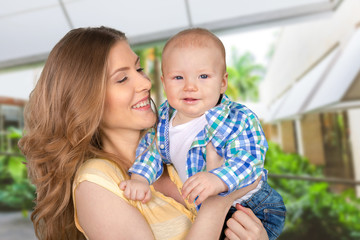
<point x="102" y="172"/>
<point x="97" y="165"/>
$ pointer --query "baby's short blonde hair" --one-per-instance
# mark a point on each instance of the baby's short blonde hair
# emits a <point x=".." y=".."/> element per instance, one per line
<point x="194" y="37"/>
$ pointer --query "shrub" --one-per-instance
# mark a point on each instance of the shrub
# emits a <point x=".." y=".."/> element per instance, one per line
<point x="16" y="192"/>
<point x="313" y="211"/>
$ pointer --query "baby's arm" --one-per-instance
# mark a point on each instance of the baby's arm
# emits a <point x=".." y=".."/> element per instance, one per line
<point x="137" y="189"/>
<point x="244" y="152"/>
<point x="147" y="163"/>
<point x="205" y="184"/>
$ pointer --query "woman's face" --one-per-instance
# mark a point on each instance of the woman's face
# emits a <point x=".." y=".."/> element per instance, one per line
<point x="127" y="103"/>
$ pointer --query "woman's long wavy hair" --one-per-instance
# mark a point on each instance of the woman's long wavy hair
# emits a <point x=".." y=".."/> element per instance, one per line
<point x="62" y="120"/>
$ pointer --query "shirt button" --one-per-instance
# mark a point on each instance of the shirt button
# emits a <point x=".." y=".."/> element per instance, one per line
<point x="163" y="117"/>
<point x="162" y="146"/>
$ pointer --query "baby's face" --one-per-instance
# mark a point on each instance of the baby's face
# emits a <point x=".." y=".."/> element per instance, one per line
<point x="193" y="79"/>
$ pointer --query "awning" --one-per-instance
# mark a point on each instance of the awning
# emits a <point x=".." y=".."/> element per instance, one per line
<point x="291" y="104"/>
<point x="337" y="86"/>
<point x="29" y="29"/>
<point x="331" y="85"/>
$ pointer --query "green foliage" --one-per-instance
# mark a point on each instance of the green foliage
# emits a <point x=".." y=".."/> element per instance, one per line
<point x="244" y="77"/>
<point x="16" y="192"/>
<point x="313" y="211"/>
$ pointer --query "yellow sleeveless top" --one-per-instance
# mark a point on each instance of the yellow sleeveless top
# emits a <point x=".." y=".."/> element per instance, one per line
<point x="167" y="218"/>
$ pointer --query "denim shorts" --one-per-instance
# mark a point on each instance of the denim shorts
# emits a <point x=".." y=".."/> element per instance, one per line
<point x="268" y="206"/>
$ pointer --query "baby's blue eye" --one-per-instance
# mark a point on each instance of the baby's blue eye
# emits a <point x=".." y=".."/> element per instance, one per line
<point x="203" y="76"/>
<point x="178" y="77"/>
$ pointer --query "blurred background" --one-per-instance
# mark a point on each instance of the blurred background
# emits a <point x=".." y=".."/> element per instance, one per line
<point x="296" y="64"/>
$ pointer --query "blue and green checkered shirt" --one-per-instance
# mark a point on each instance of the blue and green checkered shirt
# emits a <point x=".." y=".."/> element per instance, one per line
<point x="233" y="129"/>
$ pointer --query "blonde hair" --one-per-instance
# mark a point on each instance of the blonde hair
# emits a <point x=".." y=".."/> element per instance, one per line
<point x="194" y="37"/>
<point x="62" y="120"/>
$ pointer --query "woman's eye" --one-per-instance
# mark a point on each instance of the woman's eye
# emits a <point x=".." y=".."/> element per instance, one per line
<point x="178" y="77"/>
<point x="121" y="80"/>
<point x="204" y="76"/>
<point x="140" y="69"/>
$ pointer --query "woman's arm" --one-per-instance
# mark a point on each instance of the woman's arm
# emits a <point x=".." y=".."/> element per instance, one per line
<point x="210" y="219"/>
<point x="208" y="223"/>
<point x="211" y="216"/>
<point x="104" y="215"/>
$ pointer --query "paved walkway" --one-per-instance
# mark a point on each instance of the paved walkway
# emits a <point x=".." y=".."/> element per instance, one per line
<point x="13" y="226"/>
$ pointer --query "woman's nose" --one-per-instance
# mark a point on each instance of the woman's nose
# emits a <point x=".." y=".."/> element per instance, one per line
<point x="143" y="83"/>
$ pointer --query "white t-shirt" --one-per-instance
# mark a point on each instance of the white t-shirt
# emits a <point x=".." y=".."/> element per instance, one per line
<point x="181" y="137"/>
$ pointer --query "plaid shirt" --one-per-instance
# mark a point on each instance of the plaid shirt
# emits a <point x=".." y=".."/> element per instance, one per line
<point x="233" y="129"/>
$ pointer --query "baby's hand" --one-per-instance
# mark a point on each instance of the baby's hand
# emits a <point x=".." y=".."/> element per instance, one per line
<point x="202" y="185"/>
<point x="136" y="189"/>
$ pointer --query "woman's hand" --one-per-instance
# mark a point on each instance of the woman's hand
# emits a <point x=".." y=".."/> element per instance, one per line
<point x="245" y="225"/>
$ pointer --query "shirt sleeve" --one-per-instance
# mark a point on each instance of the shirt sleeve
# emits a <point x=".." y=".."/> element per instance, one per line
<point x="103" y="173"/>
<point x="244" y="152"/>
<point x="148" y="161"/>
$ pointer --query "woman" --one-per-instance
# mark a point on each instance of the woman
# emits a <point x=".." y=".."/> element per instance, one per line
<point x="82" y="125"/>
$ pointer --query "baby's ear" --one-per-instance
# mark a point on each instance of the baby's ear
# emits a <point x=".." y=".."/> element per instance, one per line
<point x="162" y="81"/>
<point x="224" y="83"/>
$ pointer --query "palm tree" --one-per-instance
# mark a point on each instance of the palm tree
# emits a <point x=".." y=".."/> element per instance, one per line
<point x="244" y="77"/>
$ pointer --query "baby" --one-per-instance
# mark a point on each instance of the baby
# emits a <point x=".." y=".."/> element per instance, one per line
<point x="198" y="113"/>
